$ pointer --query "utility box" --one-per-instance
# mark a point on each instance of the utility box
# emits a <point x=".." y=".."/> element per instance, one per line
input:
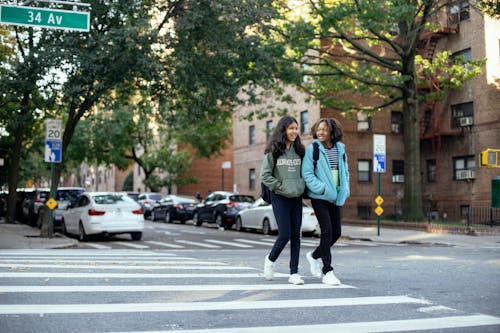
<point x="495" y="192"/>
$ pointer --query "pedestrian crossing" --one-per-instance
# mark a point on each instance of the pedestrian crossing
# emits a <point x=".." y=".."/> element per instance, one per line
<point x="137" y="290"/>
<point x="234" y="243"/>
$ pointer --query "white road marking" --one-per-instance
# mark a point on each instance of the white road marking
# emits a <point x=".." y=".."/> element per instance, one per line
<point x="360" y="327"/>
<point x="203" y="306"/>
<point x="166" y="261"/>
<point x="173" y="246"/>
<point x="122" y="267"/>
<point x="215" y="241"/>
<point x="98" y="246"/>
<point x="210" y="246"/>
<point x="132" y="245"/>
<point x="252" y="242"/>
<point x="82" y="275"/>
<point x="136" y="288"/>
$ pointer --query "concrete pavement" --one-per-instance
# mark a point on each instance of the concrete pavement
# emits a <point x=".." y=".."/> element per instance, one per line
<point x="22" y="236"/>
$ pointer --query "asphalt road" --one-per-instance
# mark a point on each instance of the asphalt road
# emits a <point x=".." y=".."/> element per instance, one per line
<point x="386" y="287"/>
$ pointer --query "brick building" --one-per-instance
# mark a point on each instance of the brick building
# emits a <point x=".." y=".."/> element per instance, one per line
<point x="453" y="133"/>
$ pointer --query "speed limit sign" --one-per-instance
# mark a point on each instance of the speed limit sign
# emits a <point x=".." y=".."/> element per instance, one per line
<point x="53" y="130"/>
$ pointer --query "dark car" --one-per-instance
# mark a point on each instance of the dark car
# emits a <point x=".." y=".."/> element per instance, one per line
<point x="221" y="208"/>
<point x="33" y="205"/>
<point x="147" y="201"/>
<point x="174" y="208"/>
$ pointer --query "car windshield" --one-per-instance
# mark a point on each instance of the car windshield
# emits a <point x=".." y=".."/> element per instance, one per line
<point x="155" y="196"/>
<point x="109" y="199"/>
<point x="242" y="198"/>
<point x="69" y="195"/>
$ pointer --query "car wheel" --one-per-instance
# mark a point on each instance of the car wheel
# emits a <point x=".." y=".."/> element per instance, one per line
<point x="266" y="227"/>
<point x="239" y="225"/>
<point x="196" y="220"/>
<point x="152" y="217"/>
<point x="219" y="222"/>
<point x="136" y="235"/>
<point x="82" y="236"/>
<point x="167" y="217"/>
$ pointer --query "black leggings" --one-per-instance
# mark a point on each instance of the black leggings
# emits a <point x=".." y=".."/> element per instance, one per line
<point x="329" y="217"/>
<point x="288" y="214"/>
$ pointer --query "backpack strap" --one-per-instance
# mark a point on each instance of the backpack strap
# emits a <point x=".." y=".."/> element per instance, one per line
<point x="315" y="154"/>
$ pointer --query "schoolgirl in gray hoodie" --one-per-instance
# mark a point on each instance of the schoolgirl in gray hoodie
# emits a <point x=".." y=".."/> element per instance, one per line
<point x="287" y="186"/>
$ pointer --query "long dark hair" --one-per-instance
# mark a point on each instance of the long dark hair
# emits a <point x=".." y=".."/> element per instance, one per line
<point x="336" y="132"/>
<point x="277" y="143"/>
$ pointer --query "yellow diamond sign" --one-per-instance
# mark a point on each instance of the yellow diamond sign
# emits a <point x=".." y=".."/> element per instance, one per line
<point x="379" y="201"/>
<point x="379" y="210"/>
<point x="51" y="203"/>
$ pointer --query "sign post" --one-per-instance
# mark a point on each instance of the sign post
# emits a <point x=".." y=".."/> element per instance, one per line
<point x="379" y="165"/>
<point x="53" y="154"/>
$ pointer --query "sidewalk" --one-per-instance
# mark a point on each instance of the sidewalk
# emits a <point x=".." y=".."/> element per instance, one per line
<point x="22" y="236"/>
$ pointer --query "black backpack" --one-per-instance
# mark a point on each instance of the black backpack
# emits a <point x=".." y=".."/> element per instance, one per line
<point x="266" y="191"/>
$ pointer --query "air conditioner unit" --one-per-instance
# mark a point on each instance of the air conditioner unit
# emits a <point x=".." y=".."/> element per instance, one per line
<point x="466" y="121"/>
<point x="398" y="179"/>
<point x="466" y="174"/>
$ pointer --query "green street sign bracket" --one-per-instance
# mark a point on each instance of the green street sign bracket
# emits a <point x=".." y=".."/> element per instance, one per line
<point x="45" y="18"/>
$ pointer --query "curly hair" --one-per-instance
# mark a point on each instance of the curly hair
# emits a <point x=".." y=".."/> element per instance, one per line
<point x="336" y="132"/>
<point x="277" y="143"/>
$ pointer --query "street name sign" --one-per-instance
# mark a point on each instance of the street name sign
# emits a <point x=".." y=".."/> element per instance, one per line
<point x="45" y="17"/>
<point x="379" y="153"/>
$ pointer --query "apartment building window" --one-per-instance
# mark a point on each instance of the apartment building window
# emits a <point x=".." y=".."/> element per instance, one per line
<point x="431" y="171"/>
<point x="464" y="10"/>
<point x="463" y="167"/>
<point x="364" y="174"/>
<point x="363" y="122"/>
<point x="251" y="179"/>
<point x="459" y="111"/>
<point x="364" y="211"/>
<point x="464" y="56"/>
<point x="397" y="122"/>
<point x="398" y="167"/>
<point x="304" y="122"/>
<point x="269" y="129"/>
<point x="251" y="135"/>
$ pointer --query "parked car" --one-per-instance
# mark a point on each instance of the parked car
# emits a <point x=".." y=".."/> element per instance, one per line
<point x="4" y="195"/>
<point x="32" y="205"/>
<point x="147" y="201"/>
<point x="22" y="194"/>
<point x="174" y="208"/>
<point x="133" y="195"/>
<point x="65" y="197"/>
<point x="260" y="216"/>
<point x="107" y="213"/>
<point x="221" y="208"/>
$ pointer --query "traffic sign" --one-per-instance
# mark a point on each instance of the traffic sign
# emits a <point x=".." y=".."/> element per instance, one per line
<point x="379" y="210"/>
<point x="46" y="18"/>
<point x="53" y="130"/>
<point x="378" y="153"/>
<point x="379" y="200"/>
<point x="53" y="151"/>
<point x="51" y="203"/>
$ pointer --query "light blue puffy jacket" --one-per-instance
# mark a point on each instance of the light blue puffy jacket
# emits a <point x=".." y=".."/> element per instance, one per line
<point x="320" y="183"/>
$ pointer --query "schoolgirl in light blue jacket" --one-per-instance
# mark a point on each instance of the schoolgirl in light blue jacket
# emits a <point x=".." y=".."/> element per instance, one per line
<point x="320" y="182"/>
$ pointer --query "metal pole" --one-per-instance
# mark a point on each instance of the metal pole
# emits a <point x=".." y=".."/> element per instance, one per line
<point x="52" y="195"/>
<point x="378" y="216"/>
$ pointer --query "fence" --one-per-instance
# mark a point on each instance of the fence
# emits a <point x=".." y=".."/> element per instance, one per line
<point x="468" y="216"/>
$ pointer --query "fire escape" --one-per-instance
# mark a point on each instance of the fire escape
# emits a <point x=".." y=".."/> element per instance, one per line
<point x="431" y="129"/>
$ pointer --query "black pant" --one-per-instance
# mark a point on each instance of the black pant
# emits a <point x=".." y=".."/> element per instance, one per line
<point x="329" y="217"/>
<point x="288" y="214"/>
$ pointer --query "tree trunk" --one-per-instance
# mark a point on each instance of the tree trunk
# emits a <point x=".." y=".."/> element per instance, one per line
<point x="14" y="173"/>
<point x="412" y="201"/>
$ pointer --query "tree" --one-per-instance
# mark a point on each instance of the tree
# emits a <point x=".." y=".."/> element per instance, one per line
<point x="361" y="56"/>
<point x="490" y="8"/>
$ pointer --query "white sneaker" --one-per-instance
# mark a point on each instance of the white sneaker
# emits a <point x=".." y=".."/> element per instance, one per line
<point x="295" y="279"/>
<point x="268" y="269"/>
<point x="314" y="264"/>
<point x="330" y="279"/>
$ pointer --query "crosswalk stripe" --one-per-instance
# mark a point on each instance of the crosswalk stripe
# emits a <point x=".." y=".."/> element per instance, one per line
<point x="203" y="306"/>
<point x="132" y="245"/>
<point x="252" y="242"/>
<point x="135" y="288"/>
<point x="83" y="275"/>
<point x="210" y="246"/>
<point x="98" y="246"/>
<point x="173" y="246"/>
<point x="166" y="261"/>
<point x="360" y="327"/>
<point x="215" y="241"/>
<point x="66" y="266"/>
<point x="83" y="253"/>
